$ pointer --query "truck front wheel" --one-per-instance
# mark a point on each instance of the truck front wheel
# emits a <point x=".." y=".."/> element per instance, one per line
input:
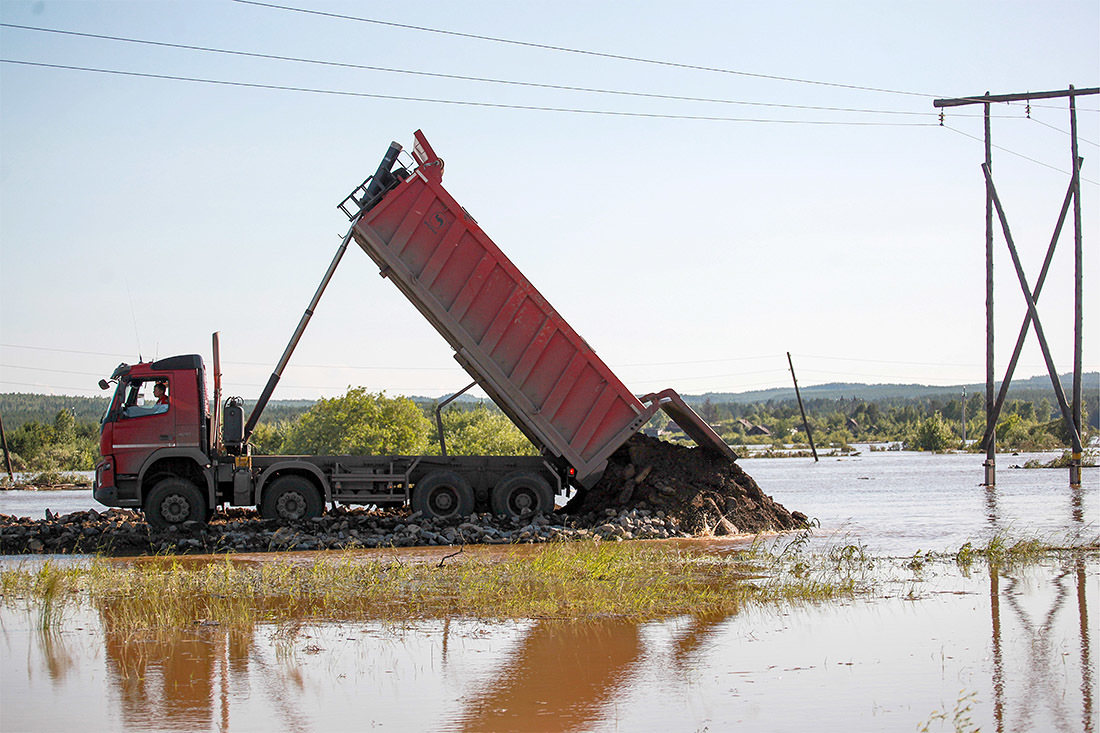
<point x="443" y="494"/>
<point x="174" y="501"/>
<point x="291" y="499"/>
<point x="521" y="493"/>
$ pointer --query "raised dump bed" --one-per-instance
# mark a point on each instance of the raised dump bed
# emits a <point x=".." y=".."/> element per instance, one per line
<point x="513" y="343"/>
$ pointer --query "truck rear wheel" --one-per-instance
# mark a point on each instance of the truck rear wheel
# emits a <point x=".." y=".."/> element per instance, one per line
<point x="291" y="499"/>
<point x="522" y="493"/>
<point x="174" y="501"/>
<point x="444" y="495"/>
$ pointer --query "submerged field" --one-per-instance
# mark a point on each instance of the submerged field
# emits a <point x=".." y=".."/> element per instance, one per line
<point x="593" y="636"/>
<point x="639" y="582"/>
<point x="853" y="626"/>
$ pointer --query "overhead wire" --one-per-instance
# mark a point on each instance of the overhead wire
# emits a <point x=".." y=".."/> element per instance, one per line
<point x="458" y="77"/>
<point x="1064" y="132"/>
<point x="585" y="52"/>
<point x="1018" y="155"/>
<point x="602" y="54"/>
<point x="572" y="110"/>
<point x="460" y="102"/>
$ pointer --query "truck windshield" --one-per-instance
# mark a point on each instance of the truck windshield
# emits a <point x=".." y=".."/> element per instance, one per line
<point x="112" y="404"/>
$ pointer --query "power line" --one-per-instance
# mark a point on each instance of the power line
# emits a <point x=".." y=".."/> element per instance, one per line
<point x="1018" y="155"/>
<point x="48" y="386"/>
<point x="1064" y="132"/>
<point x="885" y="361"/>
<point x="43" y="369"/>
<point x="458" y="77"/>
<point x="921" y="380"/>
<point x="600" y="54"/>
<point x="466" y="103"/>
<point x="65" y="351"/>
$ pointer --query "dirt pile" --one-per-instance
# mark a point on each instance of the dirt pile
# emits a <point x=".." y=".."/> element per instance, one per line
<point x="704" y="493"/>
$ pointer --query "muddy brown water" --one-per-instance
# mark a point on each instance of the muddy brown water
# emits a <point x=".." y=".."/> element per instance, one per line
<point x="1008" y="650"/>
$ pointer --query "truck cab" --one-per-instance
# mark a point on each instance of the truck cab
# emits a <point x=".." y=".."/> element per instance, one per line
<point x="145" y="439"/>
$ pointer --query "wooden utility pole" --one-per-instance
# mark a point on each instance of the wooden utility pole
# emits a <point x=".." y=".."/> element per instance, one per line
<point x="964" y="418"/>
<point x="1071" y="412"/>
<point x="801" y="409"/>
<point x="7" y="456"/>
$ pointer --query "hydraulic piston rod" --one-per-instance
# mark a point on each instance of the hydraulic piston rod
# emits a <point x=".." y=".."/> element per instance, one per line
<point x="376" y="186"/>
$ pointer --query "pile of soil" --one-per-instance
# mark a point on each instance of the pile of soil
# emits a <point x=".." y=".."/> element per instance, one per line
<point x="708" y="494"/>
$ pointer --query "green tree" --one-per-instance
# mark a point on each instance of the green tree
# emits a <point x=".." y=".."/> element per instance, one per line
<point x="360" y="423"/>
<point x="270" y="438"/>
<point x="483" y="432"/>
<point x="932" y="433"/>
<point x="64" y="427"/>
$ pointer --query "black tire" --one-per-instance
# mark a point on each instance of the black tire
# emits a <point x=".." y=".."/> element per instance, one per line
<point x="443" y="495"/>
<point x="521" y="493"/>
<point x="291" y="499"/>
<point x="174" y="501"/>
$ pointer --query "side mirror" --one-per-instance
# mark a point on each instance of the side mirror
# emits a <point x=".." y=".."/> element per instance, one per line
<point x="104" y="384"/>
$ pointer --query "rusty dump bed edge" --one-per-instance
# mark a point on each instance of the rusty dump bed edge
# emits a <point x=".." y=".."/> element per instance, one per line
<point x="517" y="347"/>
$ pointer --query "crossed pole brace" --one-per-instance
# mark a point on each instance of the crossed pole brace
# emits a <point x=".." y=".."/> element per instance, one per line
<point x="1032" y="312"/>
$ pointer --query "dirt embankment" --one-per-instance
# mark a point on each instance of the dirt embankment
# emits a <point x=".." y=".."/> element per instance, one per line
<point x="706" y="494"/>
<point x="651" y="490"/>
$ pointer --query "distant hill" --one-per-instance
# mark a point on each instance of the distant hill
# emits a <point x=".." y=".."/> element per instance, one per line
<point x="19" y="408"/>
<point x="1033" y="388"/>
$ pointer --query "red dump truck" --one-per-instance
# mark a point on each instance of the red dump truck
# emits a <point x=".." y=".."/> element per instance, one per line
<point x="177" y="460"/>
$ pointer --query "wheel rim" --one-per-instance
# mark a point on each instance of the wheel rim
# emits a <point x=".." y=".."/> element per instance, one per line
<point x="175" y="509"/>
<point x="443" y="500"/>
<point x="522" y="499"/>
<point x="291" y="505"/>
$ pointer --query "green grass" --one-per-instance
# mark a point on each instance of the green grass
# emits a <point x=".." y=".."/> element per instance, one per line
<point x="1004" y="551"/>
<point x="568" y="580"/>
<point x="637" y="581"/>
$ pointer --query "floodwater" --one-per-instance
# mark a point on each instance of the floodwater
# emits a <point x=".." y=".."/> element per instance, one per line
<point x="1007" y="649"/>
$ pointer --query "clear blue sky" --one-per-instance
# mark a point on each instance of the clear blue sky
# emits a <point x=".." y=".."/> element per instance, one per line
<point x="690" y="253"/>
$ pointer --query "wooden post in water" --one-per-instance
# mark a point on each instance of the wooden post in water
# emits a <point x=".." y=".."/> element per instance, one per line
<point x="1071" y="411"/>
<point x="990" y="417"/>
<point x="964" y="418"/>
<point x="801" y="409"/>
<point x="1075" y="462"/>
<point x="7" y="456"/>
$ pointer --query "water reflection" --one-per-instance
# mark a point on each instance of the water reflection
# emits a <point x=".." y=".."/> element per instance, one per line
<point x="1077" y="504"/>
<point x="60" y="661"/>
<point x="561" y="676"/>
<point x="991" y="506"/>
<point x="1019" y="639"/>
<point x="1086" y="659"/>
<point x="1042" y="683"/>
<point x="177" y="680"/>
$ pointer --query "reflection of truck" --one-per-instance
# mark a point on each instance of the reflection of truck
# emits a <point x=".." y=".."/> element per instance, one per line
<point x="180" y="464"/>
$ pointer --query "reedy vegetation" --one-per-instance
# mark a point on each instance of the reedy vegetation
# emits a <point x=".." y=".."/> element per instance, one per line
<point x="567" y="580"/>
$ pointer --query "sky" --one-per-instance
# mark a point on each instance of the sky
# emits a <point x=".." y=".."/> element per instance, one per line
<point x="779" y="182"/>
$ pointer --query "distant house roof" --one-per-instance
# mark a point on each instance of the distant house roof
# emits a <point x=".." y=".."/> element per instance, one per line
<point x="745" y="423"/>
<point x="852" y="424"/>
<point x="759" y="430"/>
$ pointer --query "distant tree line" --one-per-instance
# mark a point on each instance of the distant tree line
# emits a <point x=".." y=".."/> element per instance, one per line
<point x="918" y="424"/>
<point x="361" y="422"/>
